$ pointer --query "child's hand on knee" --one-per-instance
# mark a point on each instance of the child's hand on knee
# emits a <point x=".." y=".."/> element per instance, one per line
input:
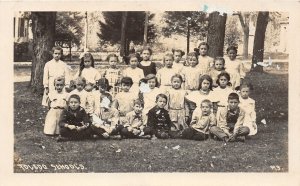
<point x="71" y="127"/>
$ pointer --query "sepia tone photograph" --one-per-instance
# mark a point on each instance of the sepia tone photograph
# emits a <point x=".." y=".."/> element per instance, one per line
<point x="150" y="91"/>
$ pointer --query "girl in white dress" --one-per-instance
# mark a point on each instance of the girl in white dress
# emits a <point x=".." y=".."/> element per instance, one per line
<point x="177" y="106"/>
<point x="191" y="74"/>
<point x="234" y="67"/>
<point x="205" y="62"/>
<point x="165" y="74"/>
<point x="248" y="104"/>
<point x="134" y="72"/>
<point x="57" y="101"/>
<point x="223" y="90"/>
<point x="219" y="63"/>
<point x="54" y="69"/>
<point x="87" y="70"/>
<point x="195" y="98"/>
<point x="177" y="59"/>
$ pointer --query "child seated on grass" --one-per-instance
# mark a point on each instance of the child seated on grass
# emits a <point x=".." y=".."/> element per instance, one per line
<point x="74" y="123"/>
<point x="230" y="120"/>
<point x="135" y="121"/>
<point x="159" y="122"/>
<point x="106" y="120"/>
<point x="202" y="120"/>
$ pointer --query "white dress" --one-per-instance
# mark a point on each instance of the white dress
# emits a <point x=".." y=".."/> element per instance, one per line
<point x="236" y="70"/>
<point x="58" y="103"/>
<point x="191" y="76"/>
<point x="221" y="95"/>
<point x="164" y="76"/>
<point x="52" y="70"/>
<point x="91" y="75"/>
<point x="136" y="75"/>
<point x="150" y="98"/>
<point x="205" y="62"/>
<point x="248" y="105"/>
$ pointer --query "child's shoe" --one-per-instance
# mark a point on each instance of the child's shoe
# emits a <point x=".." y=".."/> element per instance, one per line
<point x="105" y="135"/>
<point x="241" y="138"/>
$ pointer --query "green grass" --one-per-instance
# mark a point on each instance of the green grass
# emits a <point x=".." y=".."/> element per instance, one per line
<point x="265" y="152"/>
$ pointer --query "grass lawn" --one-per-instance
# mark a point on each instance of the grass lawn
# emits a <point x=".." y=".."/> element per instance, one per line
<point x="265" y="152"/>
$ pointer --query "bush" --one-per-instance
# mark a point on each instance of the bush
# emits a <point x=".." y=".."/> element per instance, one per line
<point x="21" y="52"/>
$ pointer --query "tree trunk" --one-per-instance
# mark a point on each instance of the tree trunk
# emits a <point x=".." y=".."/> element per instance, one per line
<point x="259" y="40"/>
<point x="43" y="29"/>
<point x="216" y="34"/>
<point x="244" y="20"/>
<point x="123" y="34"/>
<point x="146" y="28"/>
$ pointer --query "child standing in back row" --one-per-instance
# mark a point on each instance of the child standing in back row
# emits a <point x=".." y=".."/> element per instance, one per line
<point x="234" y="67"/>
<point x="191" y="74"/>
<point x="146" y="65"/>
<point x="205" y="62"/>
<point x="87" y="69"/>
<point x="219" y="63"/>
<point x="113" y="74"/>
<point x="52" y="70"/>
<point x="177" y="59"/>
<point x="165" y="74"/>
<point x="135" y="73"/>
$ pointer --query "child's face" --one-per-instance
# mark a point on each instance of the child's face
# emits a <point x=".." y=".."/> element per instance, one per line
<point x="146" y="55"/>
<point x="168" y="62"/>
<point x="232" y="54"/>
<point x="125" y="87"/>
<point x="219" y="65"/>
<point x="79" y="86"/>
<point x="176" y="83"/>
<point x="205" y="85"/>
<point x="205" y="108"/>
<point x="133" y="62"/>
<point x="151" y="83"/>
<point x="87" y="63"/>
<point x="233" y="104"/>
<point x="74" y="103"/>
<point x="102" y="88"/>
<point x="137" y="108"/>
<point x="113" y="62"/>
<point x="161" y="102"/>
<point x="223" y="81"/>
<point x="56" y="55"/>
<point x="203" y="50"/>
<point x="177" y="57"/>
<point x="245" y="92"/>
<point x="59" y="86"/>
<point x="193" y="61"/>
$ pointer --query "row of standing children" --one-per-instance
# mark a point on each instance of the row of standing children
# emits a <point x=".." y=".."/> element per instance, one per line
<point x="177" y="107"/>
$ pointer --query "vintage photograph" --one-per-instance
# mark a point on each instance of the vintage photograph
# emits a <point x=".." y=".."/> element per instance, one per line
<point x="151" y="91"/>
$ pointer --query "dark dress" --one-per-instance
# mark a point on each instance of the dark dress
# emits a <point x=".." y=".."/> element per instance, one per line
<point x="151" y="69"/>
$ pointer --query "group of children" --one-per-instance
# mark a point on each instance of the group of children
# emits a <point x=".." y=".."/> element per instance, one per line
<point x="197" y="99"/>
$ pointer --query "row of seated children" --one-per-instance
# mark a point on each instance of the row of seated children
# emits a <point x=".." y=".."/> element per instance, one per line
<point x="106" y="118"/>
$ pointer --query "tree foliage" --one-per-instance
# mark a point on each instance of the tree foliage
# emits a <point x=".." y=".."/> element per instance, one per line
<point x="110" y="28"/>
<point x="232" y="33"/>
<point x="69" y="27"/>
<point x="176" y="23"/>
